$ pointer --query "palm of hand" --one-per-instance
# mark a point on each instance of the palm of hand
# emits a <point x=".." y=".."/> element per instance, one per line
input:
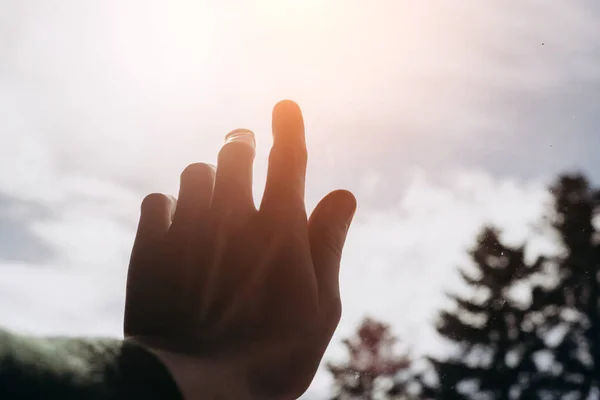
<point x="213" y="277"/>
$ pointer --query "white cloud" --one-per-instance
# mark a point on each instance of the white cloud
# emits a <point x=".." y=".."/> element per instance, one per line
<point x="82" y="290"/>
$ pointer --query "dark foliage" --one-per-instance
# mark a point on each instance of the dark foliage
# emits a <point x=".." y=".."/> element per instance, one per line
<point x="526" y="329"/>
<point x="494" y="332"/>
<point x="544" y="347"/>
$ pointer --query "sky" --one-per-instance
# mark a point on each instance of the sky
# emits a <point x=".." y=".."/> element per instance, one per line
<point x="440" y="116"/>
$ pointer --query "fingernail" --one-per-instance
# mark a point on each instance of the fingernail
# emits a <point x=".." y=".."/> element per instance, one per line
<point x="241" y="135"/>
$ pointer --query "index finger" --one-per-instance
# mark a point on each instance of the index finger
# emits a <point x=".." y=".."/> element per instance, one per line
<point x="287" y="161"/>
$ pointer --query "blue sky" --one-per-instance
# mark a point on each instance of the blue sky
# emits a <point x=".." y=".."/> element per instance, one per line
<point x="439" y="115"/>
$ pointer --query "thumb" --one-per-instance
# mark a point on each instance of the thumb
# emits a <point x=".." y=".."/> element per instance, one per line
<point x="327" y="229"/>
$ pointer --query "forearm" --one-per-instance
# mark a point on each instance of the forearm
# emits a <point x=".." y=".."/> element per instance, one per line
<point x="67" y="368"/>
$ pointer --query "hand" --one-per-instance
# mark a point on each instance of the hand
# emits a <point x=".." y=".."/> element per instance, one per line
<point x="217" y="287"/>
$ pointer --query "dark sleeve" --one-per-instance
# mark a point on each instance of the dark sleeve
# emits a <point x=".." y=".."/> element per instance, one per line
<point x="68" y="368"/>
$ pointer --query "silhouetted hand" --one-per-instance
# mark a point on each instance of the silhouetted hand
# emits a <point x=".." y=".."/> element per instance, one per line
<point x="240" y="300"/>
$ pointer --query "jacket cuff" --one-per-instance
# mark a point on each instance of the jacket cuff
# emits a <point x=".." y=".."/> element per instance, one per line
<point x="73" y="368"/>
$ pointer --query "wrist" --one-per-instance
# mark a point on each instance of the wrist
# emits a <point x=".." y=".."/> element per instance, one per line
<point x="205" y="379"/>
<point x="137" y="373"/>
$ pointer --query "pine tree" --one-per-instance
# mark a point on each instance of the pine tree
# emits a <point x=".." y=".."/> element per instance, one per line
<point x="493" y="332"/>
<point x="372" y="364"/>
<point x="572" y="306"/>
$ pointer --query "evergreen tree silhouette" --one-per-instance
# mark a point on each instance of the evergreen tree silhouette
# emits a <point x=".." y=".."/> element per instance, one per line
<point x="571" y="308"/>
<point x="493" y="333"/>
<point x="541" y="342"/>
